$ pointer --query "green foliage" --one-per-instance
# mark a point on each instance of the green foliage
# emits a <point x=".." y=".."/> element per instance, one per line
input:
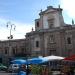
<point x="36" y="69"/>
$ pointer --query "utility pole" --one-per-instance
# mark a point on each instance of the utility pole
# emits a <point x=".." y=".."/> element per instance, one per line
<point x="11" y="27"/>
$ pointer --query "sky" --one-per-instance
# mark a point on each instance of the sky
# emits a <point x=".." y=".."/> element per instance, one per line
<point x="21" y="14"/>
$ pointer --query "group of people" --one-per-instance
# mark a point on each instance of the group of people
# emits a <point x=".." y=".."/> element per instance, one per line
<point x="25" y="70"/>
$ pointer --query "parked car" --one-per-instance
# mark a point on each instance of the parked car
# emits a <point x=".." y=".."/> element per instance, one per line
<point x="13" y="68"/>
<point x="3" y="67"/>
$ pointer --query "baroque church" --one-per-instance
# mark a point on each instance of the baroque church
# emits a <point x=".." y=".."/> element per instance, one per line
<point x="52" y="36"/>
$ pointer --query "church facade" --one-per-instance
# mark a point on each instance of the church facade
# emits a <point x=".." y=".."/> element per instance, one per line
<point x="52" y="36"/>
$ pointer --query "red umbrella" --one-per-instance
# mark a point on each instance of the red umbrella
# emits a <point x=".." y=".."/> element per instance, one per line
<point x="72" y="58"/>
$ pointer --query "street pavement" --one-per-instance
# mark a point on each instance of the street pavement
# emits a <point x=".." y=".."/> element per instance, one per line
<point x="5" y="73"/>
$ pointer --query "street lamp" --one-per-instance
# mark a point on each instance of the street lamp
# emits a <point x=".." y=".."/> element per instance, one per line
<point x="11" y="27"/>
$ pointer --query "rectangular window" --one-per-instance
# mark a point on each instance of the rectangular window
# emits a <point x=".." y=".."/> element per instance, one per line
<point x="6" y="50"/>
<point x="51" y="23"/>
<point x="14" y="50"/>
<point x="69" y="40"/>
<point x="37" y="24"/>
<point x="51" y="39"/>
<point x="37" y="43"/>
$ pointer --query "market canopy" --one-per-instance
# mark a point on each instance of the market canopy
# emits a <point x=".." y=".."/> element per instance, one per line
<point x="37" y="60"/>
<point x="18" y="61"/>
<point x="72" y="58"/>
<point x="53" y="57"/>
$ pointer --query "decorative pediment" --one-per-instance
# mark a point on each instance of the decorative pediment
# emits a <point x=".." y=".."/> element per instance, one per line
<point x="50" y="10"/>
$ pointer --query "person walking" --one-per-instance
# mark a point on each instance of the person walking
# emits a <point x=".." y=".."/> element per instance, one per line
<point x="22" y="70"/>
<point x="28" y="70"/>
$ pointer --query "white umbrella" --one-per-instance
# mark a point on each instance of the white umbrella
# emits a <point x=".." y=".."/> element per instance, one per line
<point x="52" y="57"/>
<point x="52" y="60"/>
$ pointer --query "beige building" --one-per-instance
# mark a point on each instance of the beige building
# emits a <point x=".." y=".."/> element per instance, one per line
<point x="51" y="37"/>
<point x="9" y="49"/>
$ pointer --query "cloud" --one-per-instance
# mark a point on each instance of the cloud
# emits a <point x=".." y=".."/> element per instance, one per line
<point x="20" y="30"/>
<point x="69" y="7"/>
